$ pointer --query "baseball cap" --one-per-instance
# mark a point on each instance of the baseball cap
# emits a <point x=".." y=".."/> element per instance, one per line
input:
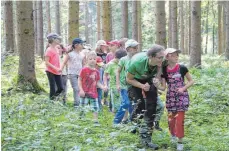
<point x="99" y="61"/>
<point x="131" y="43"/>
<point x="114" y="42"/>
<point x="77" y="41"/>
<point x="53" y="36"/>
<point x="120" y="53"/>
<point x="101" y="43"/>
<point x="171" y="50"/>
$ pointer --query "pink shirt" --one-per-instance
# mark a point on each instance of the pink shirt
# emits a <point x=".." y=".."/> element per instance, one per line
<point x="109" y="57"/>
<point x="53" y="59"/>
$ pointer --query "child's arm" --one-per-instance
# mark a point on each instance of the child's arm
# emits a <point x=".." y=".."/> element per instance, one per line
<point x="66" y="57"/>
<point x="81" y="92"/>
<point x="188" y="84"/>
<point x="101" y="86"/>
<point x="161" y="85"/>
<point x="47" y="63"/>
<point x="118" y="78"/>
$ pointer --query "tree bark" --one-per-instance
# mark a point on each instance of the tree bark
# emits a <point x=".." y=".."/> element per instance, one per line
<point x="73" y="24"/>
<point x="9" y="27"/>
<point x="35" y="26"/>
<point x="48" y="16"/>
<point x="220" y="50"/>
<point x="40" y="43"/>
<point x="26" y="70"/>
<point x="182" y="26"/>
<point x="98" y="20"/>
<point x="86" y="17"/>
<point x="174" y="24"/>
<point x="106" y="15"/>
<point x="170" y="26"/>
<point x="227" y="30"/>
<point x="160" y="23"/>
<point x="139" y="25"/>
<point x="206" y="47"/>
<point x="125" y="19"/>
<point x="57" y="13"/>
<point x="195" y="53"/>
<point x="135" y="21"/>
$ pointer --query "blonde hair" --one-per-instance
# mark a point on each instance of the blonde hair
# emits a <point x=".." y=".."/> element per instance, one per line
<point x="90" y="53"/>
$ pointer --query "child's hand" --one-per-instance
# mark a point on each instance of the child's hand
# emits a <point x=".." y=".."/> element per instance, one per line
<point x="156" y="82"/>
<point x="82" y="93"/>
<point x="180" y="90"/>
<point x="146" y="87"/>
<point x="118" y="87"/>
<point x="58" y="70"/>
<point x="105" y="88"/>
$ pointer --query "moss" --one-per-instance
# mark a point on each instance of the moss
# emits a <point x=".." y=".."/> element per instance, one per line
<point x="28" y="85"/>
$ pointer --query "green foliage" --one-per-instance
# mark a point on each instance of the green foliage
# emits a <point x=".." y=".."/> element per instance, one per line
<point x="32" y="122"/>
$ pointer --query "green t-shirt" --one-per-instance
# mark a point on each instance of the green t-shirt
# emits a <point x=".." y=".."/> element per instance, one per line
<point x="124" y="63"/>
<point x="140" y="68"/>
<point x="111" y="69"/>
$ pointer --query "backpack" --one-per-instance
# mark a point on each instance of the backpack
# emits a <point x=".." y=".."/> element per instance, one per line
<point x="181" y="71"/>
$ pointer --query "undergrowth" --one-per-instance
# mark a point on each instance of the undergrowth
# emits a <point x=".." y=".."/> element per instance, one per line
<point x="31" y="122"/>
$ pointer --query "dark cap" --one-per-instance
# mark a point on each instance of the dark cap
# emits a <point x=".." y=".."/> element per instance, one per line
<point x="53" y="36"/>
<point x="120" y="53"/>
<point x="77" y="41"/>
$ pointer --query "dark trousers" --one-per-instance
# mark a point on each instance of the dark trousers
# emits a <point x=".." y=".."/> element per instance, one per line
<point x="54" y="80"/>
<point x="144" y="108"/>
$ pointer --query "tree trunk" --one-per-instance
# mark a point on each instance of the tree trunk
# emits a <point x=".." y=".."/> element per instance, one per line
<point x="139" y="25"/>
<point x="227" y="30"/>
<point x="206" y="47"/>
<point x="73" y="24"/>
<point x="213" y="30"/>
<point x="98" y="20"/>
<point x="9" y="27"/>
<point x="135" y="21"/>
<point x="195" y="53"/>
<point x="106" y="15"/>
<point x="26" y="70"/>
<point x="186" y="30"/>
<point x="224" y="27"/>
<point x="189" y="23"/>
<point x="40" y="43"/>
<point x="160" y="23"/>
<point x="220" y="50"/>
<point x="174" y="24"/>
<point x="35" y="26"/>
<point x="86" y="17"/>
<point x="170" y="26"/>
<point x="125" y="19"/>
<point x="182" y="26"/>
<point x="48" y="16"/>
<point x="57" y="13"/>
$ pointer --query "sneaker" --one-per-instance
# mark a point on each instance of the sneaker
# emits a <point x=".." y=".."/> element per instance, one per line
<point x="180" y="147"/>
<point x="125" y="121"/>
<point x="157" y="126"/>
<point x="173" y="139"/>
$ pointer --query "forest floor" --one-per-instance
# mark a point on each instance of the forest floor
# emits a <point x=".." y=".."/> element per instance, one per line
<point x="29" y="121"/>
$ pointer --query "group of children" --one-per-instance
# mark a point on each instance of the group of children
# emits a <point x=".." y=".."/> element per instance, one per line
<point x="94" y="73"/>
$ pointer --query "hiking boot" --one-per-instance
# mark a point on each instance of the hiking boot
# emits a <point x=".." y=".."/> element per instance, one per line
<point x="180" y="146"/>
<point x="152" y="146"/>
<point x="156" y="126"/>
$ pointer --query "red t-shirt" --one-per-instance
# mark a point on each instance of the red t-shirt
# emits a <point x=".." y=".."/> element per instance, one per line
<point x="89" y="78"/>
<point x="53" y="59"/>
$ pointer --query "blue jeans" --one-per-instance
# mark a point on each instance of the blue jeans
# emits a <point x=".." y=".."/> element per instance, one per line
<point x="159" y="109"/>
<point x="125" y="105"/>
<point x="100" y="94"/>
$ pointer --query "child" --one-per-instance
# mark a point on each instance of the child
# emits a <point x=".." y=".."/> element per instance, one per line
<point x="52" y="63"/>
<point x="75" y="63"/>
<point x="88" y="82"/>
<point x="177" y="98"/>
<point x="99" y="67"/>
<point x="110" y="71"/>
<point x="121" y="85"/>
<point x="62" y="53"/>
<point x="113" y="46"/>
